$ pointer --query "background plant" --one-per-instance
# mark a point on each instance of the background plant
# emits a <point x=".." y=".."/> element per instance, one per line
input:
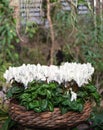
<point x="8" y="55"/>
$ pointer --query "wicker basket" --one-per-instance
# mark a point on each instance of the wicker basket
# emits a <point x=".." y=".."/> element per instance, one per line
<point x="47" y="119"/>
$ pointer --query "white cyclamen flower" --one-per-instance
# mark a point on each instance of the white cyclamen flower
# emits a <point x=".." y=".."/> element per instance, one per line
<point x="73" y="95"/>
<point x="53" y="73"/>
<point x="80" y="73"/>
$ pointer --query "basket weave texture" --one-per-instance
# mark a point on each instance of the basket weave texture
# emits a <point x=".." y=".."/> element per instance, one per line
<point x="47" y="119"/>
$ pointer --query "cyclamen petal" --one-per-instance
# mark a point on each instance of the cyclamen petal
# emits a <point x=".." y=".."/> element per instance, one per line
<point x="73" y="95"/>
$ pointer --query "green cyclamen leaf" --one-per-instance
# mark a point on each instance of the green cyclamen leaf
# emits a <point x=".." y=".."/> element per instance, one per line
<point x="53" y="85"/>
<point x="44" y="104"/>
<point x="31" y="105"/>
<point x="66" y="102"/>
<point x="91" y="88"/>
<point x="48" y="93"/>
<point x="76" y="106"/>
<point x="64" y="110"/>
<point x="96" y="97"/>
<point x="82" y="94"/>
<point x="37" y="110"/>
<point x="14" y="90"/>
<point x="34" y="104"/>
<point x="9" y="93"/>
<point x="17" y="89"/>
<point x="42" y="92"/>
<point x="51" y="107"/>
<point x="25" y="96"/>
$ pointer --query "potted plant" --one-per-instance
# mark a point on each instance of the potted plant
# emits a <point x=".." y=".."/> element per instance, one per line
<point x="51" y="96"/>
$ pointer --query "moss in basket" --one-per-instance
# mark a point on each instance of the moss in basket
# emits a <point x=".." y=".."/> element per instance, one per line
<point x="43" y="88"/>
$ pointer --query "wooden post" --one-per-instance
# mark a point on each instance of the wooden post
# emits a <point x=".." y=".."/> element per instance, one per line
<point x="51" y="32"/>
<point x="95" y="22"/>
<point x="101" y="14"/>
